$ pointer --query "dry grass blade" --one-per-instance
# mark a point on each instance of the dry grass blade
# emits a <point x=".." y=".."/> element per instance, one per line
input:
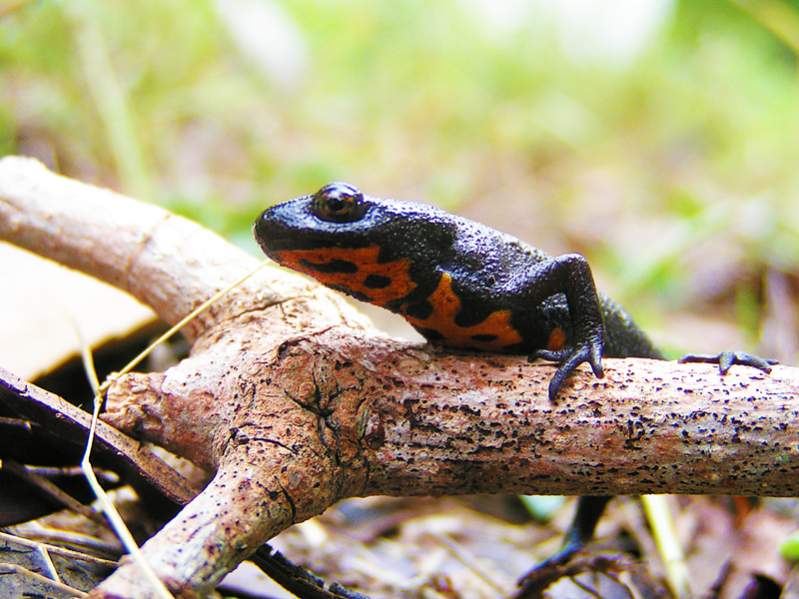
<point x="117" y="523"/>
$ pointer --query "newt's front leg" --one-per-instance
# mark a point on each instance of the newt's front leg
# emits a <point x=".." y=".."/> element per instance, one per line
<point x="570" y="274"/>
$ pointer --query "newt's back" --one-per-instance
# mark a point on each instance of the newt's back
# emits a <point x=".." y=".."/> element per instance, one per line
<point x="459" y="283"/>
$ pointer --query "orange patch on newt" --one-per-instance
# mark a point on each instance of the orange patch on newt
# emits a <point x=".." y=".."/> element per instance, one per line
<point x="496" y="329"/>
<point x="396" y="273"/>
<point x="557" y="339"/>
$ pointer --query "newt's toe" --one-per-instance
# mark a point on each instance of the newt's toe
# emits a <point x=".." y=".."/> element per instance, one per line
<point x="727" y="359"/>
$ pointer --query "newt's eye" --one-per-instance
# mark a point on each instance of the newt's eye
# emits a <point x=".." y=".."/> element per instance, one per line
<point x="338" y="202"/>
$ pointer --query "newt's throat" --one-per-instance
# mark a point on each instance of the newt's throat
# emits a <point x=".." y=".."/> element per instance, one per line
<point x="357" y="271"/>
<point x="494" y="333"/>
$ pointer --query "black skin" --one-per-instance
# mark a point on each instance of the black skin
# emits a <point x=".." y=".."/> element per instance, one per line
<point x="490" y="272"/>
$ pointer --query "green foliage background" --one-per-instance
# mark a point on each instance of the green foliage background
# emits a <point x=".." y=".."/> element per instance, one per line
<point x="676" y="173"/>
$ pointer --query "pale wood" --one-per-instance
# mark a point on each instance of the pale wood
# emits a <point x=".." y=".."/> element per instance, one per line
<point x="163" y="260"/>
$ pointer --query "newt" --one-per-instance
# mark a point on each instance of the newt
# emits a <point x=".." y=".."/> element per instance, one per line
<point x="464" y="285"/>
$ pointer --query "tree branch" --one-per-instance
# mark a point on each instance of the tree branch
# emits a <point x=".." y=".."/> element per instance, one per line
<point x="165" y="261"/>
<point x="297" y="402"/>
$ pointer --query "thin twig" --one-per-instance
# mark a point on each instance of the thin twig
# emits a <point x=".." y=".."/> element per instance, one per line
<point x="55" y="549"/>
<point x="176" y="327"/>
<point x="117" y="523"/>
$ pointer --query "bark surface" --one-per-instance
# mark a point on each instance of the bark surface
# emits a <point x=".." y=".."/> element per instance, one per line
<point x="296" y="401"/>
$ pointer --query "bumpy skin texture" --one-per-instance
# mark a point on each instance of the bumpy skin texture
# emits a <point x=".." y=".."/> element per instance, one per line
<point x="462" y="284"/>
<point x="459" y="283"/>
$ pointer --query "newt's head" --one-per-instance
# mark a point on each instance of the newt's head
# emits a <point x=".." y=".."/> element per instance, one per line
<point x="338" y="213"/>
<point x="358" y="244"/>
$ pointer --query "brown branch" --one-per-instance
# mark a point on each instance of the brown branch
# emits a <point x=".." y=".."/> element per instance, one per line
<point x="297" y="403"/>
<point x="166" y="261"/>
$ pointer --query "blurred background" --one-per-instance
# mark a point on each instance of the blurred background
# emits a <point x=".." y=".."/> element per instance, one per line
<point x="658" y="137"/>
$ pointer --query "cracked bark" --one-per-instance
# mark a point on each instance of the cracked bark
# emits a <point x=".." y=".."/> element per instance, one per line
<point x="295" y="401"/>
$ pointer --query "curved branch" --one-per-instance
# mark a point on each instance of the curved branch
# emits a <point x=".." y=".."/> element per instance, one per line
<point x="164" y="260"/>
<point x="297" y="403"/>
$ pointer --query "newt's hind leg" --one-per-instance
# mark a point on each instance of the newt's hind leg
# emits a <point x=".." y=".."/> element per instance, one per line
<point x="726" y="359"/>
<point x="589" y="510"/>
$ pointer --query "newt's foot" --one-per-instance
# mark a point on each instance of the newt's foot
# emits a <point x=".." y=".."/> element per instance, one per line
<point x="609" y="564"/>
<point x="726" y="359"/>
<point x="581" y="531"/>
<point x="570" y="358"/>
<point x="540" y="576"/>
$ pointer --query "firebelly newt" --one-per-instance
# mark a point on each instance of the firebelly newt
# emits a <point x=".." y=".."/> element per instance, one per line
<point x="464" y="285"/>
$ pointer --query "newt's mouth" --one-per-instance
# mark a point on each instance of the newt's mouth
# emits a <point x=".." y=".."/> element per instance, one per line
<point x="270" y="233"/>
